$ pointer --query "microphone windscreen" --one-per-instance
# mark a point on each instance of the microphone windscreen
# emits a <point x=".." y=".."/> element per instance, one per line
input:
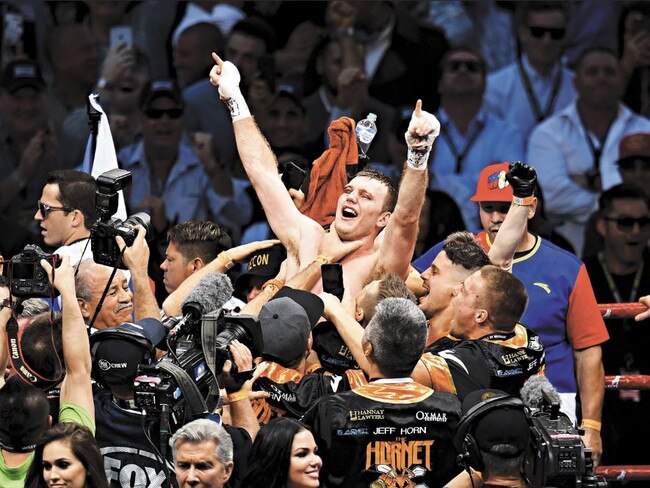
<point x="532" y="392"/>
<point x="212" y="292"/>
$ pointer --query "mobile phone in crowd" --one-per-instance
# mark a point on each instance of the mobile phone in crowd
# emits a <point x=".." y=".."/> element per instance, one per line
<point x="332" y="276"/>
<point x="293" y="175"/>
<point x="121" y="34"/>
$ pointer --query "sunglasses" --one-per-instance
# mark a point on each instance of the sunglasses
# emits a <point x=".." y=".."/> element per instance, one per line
<point x="454" y="65"/>
<point x="45" y="209"/>
<point x="157" y="113"/>
<point x="500" y="207"/>
<point x="538" y="32"/>
<point x="626" y="224"/>
<point x="633" y="162"/>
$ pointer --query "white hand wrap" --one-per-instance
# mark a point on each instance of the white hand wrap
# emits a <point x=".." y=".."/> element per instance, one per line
<point x="231" y="94"/>
<point x="417" y="160"/>
<point x="419" y="148"/>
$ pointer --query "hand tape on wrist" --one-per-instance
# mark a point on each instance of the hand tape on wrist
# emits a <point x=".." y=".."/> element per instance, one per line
<point x="225" y="259"/>
<point x="238" y="396"/>
<point x="592" y="424"/>
<point x="237" y="107"/>
<point x="523" y="201"/>
<point x="273" y="282"/>
<point x="417" y="160"/>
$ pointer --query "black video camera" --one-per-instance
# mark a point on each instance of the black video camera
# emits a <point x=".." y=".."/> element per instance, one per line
<point x="104" y="231"/>
<point x="558" y="457"/>
<point x="27" y="278"/>
<point x="174" y="390"/>
<point x="244" y="328"/>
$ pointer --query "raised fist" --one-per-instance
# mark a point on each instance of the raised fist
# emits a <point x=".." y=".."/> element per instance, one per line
<point x="522" y="178"/>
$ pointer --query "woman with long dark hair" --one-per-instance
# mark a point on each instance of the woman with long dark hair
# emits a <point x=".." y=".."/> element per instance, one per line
<point x="67" y="454"/>
<point x="284" y="455"/>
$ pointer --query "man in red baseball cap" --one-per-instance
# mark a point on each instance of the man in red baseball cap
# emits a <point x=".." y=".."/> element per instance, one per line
<point x="562" y="308"/>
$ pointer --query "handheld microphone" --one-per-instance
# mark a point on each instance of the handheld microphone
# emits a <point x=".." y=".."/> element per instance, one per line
<point x="212" y="292"/>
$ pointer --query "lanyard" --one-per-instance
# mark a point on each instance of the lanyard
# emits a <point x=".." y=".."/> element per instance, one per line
<point x="534" y="103"/>
<point x="478" y="128"/>
<point x="612" y="285"/>
<point x="596" y="152"/>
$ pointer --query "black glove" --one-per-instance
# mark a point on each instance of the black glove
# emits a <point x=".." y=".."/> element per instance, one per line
<point x="522" y="179"/>
<point x="234" y="381"/>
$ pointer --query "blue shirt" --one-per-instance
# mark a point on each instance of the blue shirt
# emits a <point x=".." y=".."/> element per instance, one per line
<point x="506" y="94"/>
<point x="188" y="193"/>
<point x="494" y="140"/>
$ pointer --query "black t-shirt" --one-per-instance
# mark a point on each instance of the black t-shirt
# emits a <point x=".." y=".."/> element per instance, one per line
<point x="399" y="433"/>
<point x="627" y="347"/>
<point x="499" y="360"/>
<point x="291" y="393"/>
<point x="626" y="352"/>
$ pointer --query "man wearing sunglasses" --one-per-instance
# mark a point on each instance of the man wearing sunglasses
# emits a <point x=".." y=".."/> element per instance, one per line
<point x="621" y="273"/>
<point x="470" y="136"/>
<point x="66" y="212"/>
<point x="170" y="181"/>
<point x="536" y="85"/>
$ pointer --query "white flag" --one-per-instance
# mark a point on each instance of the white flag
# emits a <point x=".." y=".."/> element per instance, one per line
<point x="105" y="158"/>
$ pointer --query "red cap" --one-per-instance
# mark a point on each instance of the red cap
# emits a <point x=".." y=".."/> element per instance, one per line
<point x="634" y="145"/>
<point x="492" y="185"/>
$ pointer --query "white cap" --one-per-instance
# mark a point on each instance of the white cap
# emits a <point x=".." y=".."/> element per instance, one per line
<point x="372" y="117"/>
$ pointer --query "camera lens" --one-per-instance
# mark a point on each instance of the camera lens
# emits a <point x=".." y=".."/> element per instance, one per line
<point x="140" y="218"/>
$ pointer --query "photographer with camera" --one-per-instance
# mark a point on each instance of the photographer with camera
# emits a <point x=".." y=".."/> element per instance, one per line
<point x="507" y="441"/>
<point x="103" y="309"/>
<point x="24" y="409"/>
<point x="66" y="213"/>
<point x="492" y="454"/>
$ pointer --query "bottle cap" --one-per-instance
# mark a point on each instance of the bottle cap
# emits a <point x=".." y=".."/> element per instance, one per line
<point x="372" y="117"/>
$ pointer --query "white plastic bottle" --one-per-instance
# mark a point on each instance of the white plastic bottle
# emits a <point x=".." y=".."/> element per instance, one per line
<point x="366" y="130"/>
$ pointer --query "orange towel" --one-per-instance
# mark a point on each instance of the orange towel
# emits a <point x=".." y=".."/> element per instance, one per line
<point x="328" y="174"/>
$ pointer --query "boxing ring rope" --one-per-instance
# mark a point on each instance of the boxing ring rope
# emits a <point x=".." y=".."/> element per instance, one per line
<point x="621" y="310"/>
<point x="624" y="382"/>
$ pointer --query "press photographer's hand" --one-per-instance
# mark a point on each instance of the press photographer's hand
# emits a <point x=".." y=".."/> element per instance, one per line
<point x="61" y="277"/>
<point x="135" y="256"/>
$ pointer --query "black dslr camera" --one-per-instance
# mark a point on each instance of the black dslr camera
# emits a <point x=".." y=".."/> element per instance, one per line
<point x="27" y="278"/>
<point x="558" y="458"/>
<point x="103" y="233"/>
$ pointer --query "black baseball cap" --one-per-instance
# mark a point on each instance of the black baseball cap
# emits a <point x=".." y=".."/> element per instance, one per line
<point x="21" y="74"/>
<point x="501" y="425"/>
<point x="161" y="88"/>
<point x="264" y="264"/>
<point x="286" y="323"/>
<point x="118" y="351"/>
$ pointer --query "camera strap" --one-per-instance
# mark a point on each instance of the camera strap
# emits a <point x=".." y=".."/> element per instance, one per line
<point x="21" y="368"/>
<point x="208" y="344"/>
<point x="195" y="403"/>
<point x="103" y="297"/>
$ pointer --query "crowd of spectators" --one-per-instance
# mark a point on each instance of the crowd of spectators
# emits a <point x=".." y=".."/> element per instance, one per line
<point x="458" y="272"/>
